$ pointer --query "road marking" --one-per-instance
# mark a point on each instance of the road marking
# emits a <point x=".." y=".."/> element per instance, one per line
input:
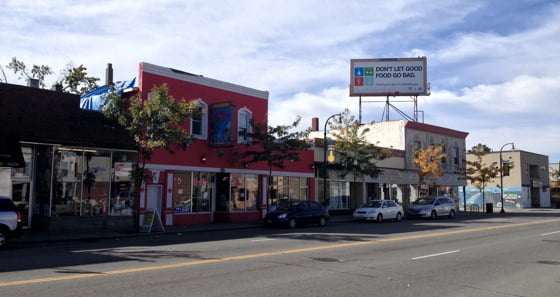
<point x="267" y="254"/>
<point x="263" y="239"/>
<point x="435" y="255"/>
<point x="550" y="233"/>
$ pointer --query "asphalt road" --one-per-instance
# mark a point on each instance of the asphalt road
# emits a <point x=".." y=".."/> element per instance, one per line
<point x="500" y="255"/>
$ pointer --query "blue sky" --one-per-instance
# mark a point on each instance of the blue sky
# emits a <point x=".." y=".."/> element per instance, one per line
<point x="493" y="66"/>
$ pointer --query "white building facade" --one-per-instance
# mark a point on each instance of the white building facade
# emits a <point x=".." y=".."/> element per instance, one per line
<point x="399" y="179"/>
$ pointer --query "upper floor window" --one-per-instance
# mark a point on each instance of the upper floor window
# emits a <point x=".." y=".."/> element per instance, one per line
<point x="456" y="155"/>
<point x="199" y="123"/>
<point x="244" y="128"/>
<point x="444" y="159"/>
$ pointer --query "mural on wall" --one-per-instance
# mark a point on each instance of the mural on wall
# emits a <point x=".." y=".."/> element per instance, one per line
<point x="512" y="197"/>
<point x="221" y="117"/>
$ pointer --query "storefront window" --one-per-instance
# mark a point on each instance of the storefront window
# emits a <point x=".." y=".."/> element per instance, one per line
<point x="191" y="192"/>
<point x="67" y="183"/>
<point x="89" y="182"/>
<point x="244" y="189"/>
<point x="289" y="187"/>
<point x="122" y="186"/>
<point x="21" y="185"/>
<point x="338" y="195"/>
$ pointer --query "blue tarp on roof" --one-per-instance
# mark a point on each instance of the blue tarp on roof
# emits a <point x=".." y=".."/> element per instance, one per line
<point x="94" y="99"/>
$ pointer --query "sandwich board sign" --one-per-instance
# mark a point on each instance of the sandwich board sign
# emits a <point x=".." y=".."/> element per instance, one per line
<point x="152" y="221"/>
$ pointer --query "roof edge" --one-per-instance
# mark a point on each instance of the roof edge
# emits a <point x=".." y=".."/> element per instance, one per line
<point x="201" y="80"/>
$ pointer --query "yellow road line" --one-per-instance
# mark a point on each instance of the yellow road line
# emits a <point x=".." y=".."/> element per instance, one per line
<point x="267" y="254"/>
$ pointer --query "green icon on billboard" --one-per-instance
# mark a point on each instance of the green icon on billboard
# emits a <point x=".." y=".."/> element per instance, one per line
<point x="368" y="71"/>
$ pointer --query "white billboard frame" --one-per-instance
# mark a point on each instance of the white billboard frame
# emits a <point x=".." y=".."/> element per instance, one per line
<point x="389" y="77"/>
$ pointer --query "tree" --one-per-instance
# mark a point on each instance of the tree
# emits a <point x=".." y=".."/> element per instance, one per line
<point x="275" y="145"/>
<point x="480" y="174"/>
<point x="76" y="81"/>
<point x="428" y="161"/>
<point x="155" y="123"/>
<point x="36" y="72"/>
<point x="354" y="152"/>
<point x="480" y="148"/>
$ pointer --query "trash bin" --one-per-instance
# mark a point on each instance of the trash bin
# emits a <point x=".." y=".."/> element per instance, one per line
<point x="489" y="207"/>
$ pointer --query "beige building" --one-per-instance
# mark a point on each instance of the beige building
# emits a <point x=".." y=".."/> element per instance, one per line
<point x="527" y="185"/>
<point x="399" y="179"/>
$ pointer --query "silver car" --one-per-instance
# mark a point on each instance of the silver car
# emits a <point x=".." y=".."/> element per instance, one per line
<point x="379" y="210"/>
<point x="432" y="207"/>
<point x="10" y="220"/>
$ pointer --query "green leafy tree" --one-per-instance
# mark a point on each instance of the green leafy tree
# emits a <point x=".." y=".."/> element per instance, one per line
<point x="36" y="72"/>
<point x="275" y="146"/>
<point x="155" y="123"/>
<point x="479" y="173"/>
<point x="76" y="81"/>
<point x="480" y="148"/>
<point x="354" y="152"/>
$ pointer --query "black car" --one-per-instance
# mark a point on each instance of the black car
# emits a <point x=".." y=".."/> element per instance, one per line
<point x="293" y="213"/>
<point x="10" y="220"/>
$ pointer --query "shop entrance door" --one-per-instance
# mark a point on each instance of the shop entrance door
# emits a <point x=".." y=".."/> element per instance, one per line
<point x="154" y="198"/>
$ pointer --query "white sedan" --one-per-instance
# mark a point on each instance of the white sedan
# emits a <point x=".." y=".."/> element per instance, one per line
<point x="379" y="210"/>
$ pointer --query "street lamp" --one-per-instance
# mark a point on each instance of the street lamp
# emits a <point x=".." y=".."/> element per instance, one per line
<point x="502" y="174"/>
<point x="339" y="115"/>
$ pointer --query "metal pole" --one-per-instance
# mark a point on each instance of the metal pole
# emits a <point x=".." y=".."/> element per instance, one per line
<point x="502" y="175"/>
<point x="325" y="156"/>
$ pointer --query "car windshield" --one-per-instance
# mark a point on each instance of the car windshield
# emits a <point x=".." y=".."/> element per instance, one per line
<point x="424" y="201"/>
<point x="373" y="204"/>
<point x="286" y="204"/>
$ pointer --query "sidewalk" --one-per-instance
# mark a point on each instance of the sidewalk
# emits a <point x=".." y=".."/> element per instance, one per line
<point x="32" y="236"/>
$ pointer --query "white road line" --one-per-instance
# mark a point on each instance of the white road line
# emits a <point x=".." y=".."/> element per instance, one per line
<point x="550" y="233"/>
<point x="435" y="255"/>
<point x="264" y="239"/>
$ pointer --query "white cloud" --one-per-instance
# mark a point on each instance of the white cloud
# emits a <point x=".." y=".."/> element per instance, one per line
<point x="492" y="74"/>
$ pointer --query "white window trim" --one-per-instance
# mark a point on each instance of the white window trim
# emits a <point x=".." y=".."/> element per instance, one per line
<point x="204" y="121"/>
<point x="244" y="110"/>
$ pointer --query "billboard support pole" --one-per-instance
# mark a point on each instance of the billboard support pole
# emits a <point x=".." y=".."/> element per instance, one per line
<point x="415" y="98"/>
<point x="360" y="116"/>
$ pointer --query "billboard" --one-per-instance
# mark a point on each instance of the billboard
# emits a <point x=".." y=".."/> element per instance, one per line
<point x="389" y="77"/>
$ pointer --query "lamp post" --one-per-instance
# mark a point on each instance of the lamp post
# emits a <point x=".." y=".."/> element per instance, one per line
<point x="325" y="154"/>
<point x="502" y="174"/>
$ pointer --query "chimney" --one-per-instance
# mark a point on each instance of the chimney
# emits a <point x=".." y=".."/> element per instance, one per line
<point x="315" y="124"/>
<point x="33" y="83"/>
<point x="109" y="74"/>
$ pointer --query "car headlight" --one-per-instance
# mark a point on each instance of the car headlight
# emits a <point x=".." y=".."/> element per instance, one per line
<point x="283" y="216"/>
<point x="371" y="211"/>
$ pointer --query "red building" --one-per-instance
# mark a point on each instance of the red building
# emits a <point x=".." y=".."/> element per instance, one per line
<point x="207" y="181"/>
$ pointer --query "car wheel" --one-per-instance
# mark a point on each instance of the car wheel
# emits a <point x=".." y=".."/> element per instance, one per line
<point x="399" y="217"/>
<point x="433" y="216"/>
<point x="292" y="223"/>
<point x="3" y="239"/>
<point x="451" y="214"/>
<point x="380" y="218"/>
<point x="322" y="221"/>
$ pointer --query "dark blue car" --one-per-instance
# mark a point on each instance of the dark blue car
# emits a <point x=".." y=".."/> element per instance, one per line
<point x="294" y="213"/>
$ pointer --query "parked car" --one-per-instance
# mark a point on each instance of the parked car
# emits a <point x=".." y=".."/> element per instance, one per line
<point x="10" y="220"/>
<point x="379" y="210"/>
<point x="292" y="213"/>
<point x="432" y="207"/>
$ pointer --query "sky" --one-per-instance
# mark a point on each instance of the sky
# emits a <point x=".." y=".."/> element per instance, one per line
<point x="493" y="66"/>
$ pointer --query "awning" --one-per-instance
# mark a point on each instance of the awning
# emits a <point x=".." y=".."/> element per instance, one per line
<point x="10" y="152"/>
